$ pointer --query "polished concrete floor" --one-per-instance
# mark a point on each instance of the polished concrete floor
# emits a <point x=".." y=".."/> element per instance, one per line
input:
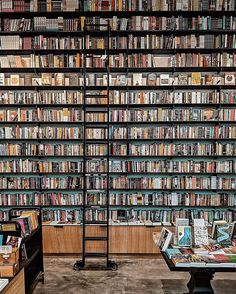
<point x="135" y="275"/>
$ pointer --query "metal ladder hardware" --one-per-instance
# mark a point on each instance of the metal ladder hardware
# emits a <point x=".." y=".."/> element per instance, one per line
<point x="96" y="176"/>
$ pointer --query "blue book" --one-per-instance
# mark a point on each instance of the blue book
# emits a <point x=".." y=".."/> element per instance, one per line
<point x="172" y="252"/>
<point x="1" y="239"/>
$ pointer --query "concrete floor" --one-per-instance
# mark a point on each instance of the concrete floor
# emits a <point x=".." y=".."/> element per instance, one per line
<point x="135" y="275"/>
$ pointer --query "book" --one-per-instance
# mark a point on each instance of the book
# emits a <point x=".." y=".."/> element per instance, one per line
<point x="229" y="78"/>
<point x="215" y="223"/>
<point x="233" y="231"/>
<point x="184" y="236"/>
<point x="183" y="79"/>
<point x="164" y="79"/>
<point x="200" y="235"/>
<point x="152" y="79"/>
<point x="3" y="283"/>
<point x="172" y="252"/>
<point x="2" y="79"/>
<point x="14" y="241"/>
<point x="165" y="239"/>
<point x="14" y="80"/>
<point x="208" y="79"/>
<point x="196" y="78"/>
<point x="137" y="79"/>
<point x="223" y="235"/>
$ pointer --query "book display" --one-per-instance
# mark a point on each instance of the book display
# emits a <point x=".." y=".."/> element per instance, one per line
<point x="21" y="247"/>
<point x="109" y="103"/>
<point x="190" y="250"/>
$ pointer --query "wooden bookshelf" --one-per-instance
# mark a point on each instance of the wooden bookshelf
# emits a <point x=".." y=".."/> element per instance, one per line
<point x="59" y="144"/>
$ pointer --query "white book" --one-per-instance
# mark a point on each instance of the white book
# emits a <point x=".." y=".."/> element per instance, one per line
<point x="3" y="283"/>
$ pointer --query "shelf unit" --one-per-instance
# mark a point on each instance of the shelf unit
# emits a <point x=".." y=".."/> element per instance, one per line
<point x="127" y="142"/>
<point x="33" y="265"/>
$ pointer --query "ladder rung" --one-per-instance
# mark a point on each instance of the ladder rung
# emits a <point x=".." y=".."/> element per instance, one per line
<point x="95" y="238"/>
<point x="95" y="254"/>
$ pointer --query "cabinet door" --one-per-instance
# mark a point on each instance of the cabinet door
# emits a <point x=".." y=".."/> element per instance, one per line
<point x="96" y="246"/>
<point x="140" y="240"/>
<point x="62" y="239"/>
<point x="118" y="239"/>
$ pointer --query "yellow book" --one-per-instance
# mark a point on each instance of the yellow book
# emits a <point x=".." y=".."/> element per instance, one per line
<point x="196" y="78"/>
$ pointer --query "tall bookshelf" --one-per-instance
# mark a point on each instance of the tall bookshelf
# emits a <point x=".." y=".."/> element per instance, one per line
<point x="171" y="110"/>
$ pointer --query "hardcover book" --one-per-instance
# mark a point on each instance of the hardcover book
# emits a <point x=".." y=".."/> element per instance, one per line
<point x="223" y="234"/>
<point x="196" y="78"/>
<point x="200" y="235"/>
<point x="229" y="78"/>
<point x="184" y="236"/>
<point x="164" y="240"/>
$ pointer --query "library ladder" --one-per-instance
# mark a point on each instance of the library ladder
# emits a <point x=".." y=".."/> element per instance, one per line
<point x="96" y="116"/>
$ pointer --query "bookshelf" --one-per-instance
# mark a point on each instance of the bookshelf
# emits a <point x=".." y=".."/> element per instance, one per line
<point x="169" y="120"/>
<point x="31" y="249"/>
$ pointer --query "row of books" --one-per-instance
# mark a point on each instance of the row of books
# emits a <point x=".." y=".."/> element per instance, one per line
<point x="50" y="60"/>
<point x="169" y="149"/>
<point x="159" y="5"/>
<point x="115" y="115"/>
<point x="160" y="114"/>
<point x="137" y="216"/>
<point x="39" y="5"/>
<point x="168" y="199"/>
<point x="172" y="182"/>
<point x="120" y="182"/>
<point x="136" y="79"/>
<point x="41" y="97"/>
<point x="171" y="132"/>
<point x="171" y="166"/>
<point x="118" y="199"/>
<point x="148" y="41"/>
<point x="97" y="5"/>
<point x="41" y="132"/>
<point x="172" y="97"/>
<point x="119" y="149"/>
<point x="121" y="60"/>
<point x="28" y="182"/>
<point x="40" y="114"/>
<point x="133" y="23"/>
<point x="35" y="166"/>
<point x="45" y="79"/>
<point x="40" y="42"/>
<point x="118" y="166"/>
<point x="173" y="23"/>
<point x="116" y="80"/>
<point x="120" y="133"/>
<point x="120" y="97"/>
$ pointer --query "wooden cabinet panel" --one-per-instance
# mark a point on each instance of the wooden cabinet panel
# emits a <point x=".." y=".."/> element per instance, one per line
<point x="118" y="239"/>
<point x="96" y="246"/>
<point x="16" y="285"/>
<point x="140" y="240"/>
<point x="62" y="239"/>
<point x="123" y="239"/>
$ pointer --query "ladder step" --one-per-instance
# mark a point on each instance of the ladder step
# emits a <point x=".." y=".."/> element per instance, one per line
<point x="95" y="254"/>
<point x="95" y="238"/>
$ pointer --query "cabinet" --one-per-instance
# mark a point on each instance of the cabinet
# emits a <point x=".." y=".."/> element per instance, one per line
<point x="123" y="239"/>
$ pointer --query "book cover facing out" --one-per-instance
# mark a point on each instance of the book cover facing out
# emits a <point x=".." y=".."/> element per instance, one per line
<point x="184" y="236"/>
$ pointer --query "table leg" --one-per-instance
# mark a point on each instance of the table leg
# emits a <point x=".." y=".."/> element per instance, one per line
<point x="200" y="282"/>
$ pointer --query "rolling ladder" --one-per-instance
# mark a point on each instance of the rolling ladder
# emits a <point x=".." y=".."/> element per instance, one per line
<point x="96" y="183"/>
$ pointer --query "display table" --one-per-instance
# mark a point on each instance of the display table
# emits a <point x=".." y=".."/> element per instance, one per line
<point x="200" y="280"/>
<point x="16" y="284"/>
